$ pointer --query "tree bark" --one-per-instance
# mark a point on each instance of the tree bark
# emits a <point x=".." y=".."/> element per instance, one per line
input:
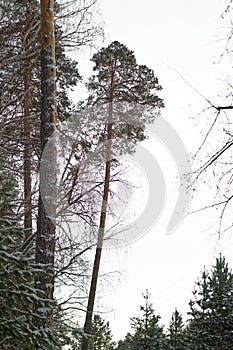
<point x="102" y="224"/>
<point x="46" y="227"/>
<point x="27" y="153"/>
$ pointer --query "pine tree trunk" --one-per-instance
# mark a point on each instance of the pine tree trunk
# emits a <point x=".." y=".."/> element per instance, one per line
<point x="103" y="215"/>
<point x="45" y="241"/>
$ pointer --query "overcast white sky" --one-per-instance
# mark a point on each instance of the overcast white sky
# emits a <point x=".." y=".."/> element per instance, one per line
<point x="181" y="34"/>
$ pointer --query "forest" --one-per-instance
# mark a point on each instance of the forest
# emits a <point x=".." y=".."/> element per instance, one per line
<point x="60" y="165"/>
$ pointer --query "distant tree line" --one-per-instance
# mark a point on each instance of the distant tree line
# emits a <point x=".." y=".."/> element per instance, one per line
<point x="209" y="325"/>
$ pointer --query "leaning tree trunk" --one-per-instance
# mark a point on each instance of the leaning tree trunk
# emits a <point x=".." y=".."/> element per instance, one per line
<point x="46" y="227"/>
<point x="102" y="225"/>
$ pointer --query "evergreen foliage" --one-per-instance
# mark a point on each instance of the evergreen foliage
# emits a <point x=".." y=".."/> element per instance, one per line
<point x="17" y="292"/>
<point x="211" y="323"/>
<point x="197" y="328"/>
<point x="176" y="332"/>
<point x="210" y="326"/>
<point x="132" y="82"/>
<point x="148" y="333"/>
<point x="101" y="334"/>
<point x="131" y="92"/>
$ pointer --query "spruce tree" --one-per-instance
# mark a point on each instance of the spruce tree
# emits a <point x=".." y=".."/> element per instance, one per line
<point x="127" y="343"/>
<point x="176" y="332"/>
<point x="197" y="329"/>
<point x="101" y="334"/>
<point x="221" y="304"/>
<point x="211" y="323"/>
<point x="147" y="333"/>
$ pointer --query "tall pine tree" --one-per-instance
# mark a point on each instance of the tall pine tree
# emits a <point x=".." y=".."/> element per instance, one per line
<point x="122" y="90"/>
